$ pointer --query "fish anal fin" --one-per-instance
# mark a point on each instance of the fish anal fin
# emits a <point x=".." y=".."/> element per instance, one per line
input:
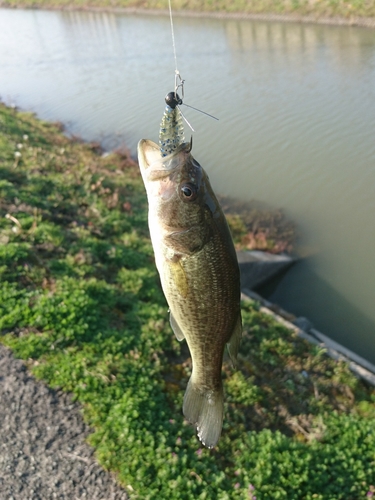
<point x="204" y="409"/>
<point x="234" y="341"/>
<point x="176" y="328"/>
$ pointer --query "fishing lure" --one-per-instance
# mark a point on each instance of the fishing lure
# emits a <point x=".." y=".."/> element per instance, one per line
<point x="171" y="132"/>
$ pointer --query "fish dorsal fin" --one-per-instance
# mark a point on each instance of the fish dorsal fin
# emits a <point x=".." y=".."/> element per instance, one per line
<point x="176" y="328"/>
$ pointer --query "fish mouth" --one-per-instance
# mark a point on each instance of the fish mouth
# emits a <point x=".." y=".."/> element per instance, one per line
<point x="153" y="165"/>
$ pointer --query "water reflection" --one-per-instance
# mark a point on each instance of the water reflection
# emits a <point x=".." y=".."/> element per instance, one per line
<point x="91" y="30"/>
<point x="289" y="38"/>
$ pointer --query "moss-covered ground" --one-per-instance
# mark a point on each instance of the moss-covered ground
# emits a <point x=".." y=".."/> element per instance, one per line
<point x="80" y="302"/>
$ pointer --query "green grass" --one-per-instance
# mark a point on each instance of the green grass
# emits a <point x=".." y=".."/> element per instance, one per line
<point x="80" y="302"/>
<point x="314" y="8"/>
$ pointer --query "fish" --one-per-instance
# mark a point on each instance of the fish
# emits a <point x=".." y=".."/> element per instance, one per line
<point x="199" y="273"/>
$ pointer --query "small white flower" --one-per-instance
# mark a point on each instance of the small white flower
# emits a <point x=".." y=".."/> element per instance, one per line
<point x="19" y="146"/>
<point x="25" y="137"/>
<point x="17" y="154"/>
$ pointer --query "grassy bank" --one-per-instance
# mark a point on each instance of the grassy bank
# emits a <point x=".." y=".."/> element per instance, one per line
<point x="80" y="302"/>
<point x="345" y="9"/>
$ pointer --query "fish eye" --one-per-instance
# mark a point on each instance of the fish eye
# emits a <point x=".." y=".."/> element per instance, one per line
<point x="188" y="191"/>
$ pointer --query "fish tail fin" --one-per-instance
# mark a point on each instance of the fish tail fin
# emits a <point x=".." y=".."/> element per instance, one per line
<point x="205" y="410"/>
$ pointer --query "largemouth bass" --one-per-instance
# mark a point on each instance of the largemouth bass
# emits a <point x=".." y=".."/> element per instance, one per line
<point x="199" y="273"/>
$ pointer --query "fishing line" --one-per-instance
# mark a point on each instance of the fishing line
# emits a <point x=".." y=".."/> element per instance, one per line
<point x="178" y="81"/>
<point x="173" y="41"/>
<point x="171" y="132"/>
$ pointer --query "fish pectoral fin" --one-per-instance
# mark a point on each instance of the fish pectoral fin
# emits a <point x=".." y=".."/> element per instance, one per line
<point x="176" y="328"/>
<point x="205" y="409"/>
<point x="234" y="342"/>
<point x="178" y="277"/>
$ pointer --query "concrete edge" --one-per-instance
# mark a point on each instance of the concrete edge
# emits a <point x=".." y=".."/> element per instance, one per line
<point x="359" y="366"/>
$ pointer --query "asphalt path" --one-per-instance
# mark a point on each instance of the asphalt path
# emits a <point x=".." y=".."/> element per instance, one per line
<point x="43" y="453"/>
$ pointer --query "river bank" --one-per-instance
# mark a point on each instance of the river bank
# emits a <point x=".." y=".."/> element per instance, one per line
<point x="305" y="119"/>
<point x="81" y="304"/>
<point x="323" y="12"/>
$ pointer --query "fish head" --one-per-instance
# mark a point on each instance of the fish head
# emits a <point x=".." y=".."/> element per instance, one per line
<point x="181" y="201"/>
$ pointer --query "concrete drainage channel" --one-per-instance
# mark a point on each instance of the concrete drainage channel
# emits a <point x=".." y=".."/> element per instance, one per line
<point x="259" y="267"/>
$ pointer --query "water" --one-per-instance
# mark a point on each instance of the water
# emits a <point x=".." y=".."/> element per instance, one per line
<point x="297" y="118"/>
